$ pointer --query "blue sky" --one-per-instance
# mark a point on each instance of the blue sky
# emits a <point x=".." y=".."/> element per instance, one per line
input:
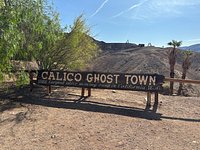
<point x="139" y="21"/>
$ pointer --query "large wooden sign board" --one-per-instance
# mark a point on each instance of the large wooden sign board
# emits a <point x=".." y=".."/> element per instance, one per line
<point x="120" y="81"/>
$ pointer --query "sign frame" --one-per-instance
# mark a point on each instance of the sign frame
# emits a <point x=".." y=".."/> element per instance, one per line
<point x="101" y="80"/>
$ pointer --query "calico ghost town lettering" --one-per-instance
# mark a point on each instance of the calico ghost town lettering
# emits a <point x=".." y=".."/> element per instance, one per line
<point x="149" y="82"/>
<point x="99" y="78"/>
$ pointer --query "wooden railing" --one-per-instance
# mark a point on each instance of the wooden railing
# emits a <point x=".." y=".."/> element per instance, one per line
<point x="182" y="80"/>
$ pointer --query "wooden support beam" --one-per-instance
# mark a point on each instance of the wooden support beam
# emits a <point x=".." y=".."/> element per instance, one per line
<point x="82" y="92"/>
<point x="31" y="81"/>
<point x="49" y="89"/>
<point x="156" y="97"/>
<point x="155" y="105"/>
<point x="89" y="92"/>
<point x="149" y="98"/>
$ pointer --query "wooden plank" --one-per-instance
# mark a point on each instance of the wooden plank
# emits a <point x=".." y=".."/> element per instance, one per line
<point x="182" y="80"/>
<point x="101" y="80"/>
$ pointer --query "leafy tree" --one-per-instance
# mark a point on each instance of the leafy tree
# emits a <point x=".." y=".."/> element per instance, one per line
<point x="30" y="30"/>
<point x="43" y="35"/>
<point x="8" y="39"/>
<point x="172" y="60"/>
<point x="40" y="27"/>
<point x="76" y="48"/>
<point x="185" y="66"/>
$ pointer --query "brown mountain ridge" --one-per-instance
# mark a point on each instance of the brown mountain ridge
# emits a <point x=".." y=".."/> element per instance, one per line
<point x="132" y="58"/>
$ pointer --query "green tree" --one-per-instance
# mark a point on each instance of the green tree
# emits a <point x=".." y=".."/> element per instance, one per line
<point x="8" y="38"/>
<point x="185" y="66"/>
<point x="30" y="30"/>
<point x="76" y="48"/>
<point x="40" y="27"/>
<point x="172" y="60"/>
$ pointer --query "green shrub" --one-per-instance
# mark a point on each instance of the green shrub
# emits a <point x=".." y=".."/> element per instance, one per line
<point x="22" y="79"/>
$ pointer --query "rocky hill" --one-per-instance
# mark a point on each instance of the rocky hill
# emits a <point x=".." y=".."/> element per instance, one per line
<point x="148" y="59"/>
<point x="115" y="46"/>
<point x="195" y="47"/>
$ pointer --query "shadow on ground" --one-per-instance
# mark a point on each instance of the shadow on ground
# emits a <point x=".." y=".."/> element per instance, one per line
<point x="39" y="97"/>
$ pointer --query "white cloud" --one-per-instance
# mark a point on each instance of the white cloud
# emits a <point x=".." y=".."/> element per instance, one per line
<point x="149" y="9"/>
<point x="172" y="5"/>
<point x="100" y="7"/>
<point x="191" y="42"/>
<point x="130" y="8"/>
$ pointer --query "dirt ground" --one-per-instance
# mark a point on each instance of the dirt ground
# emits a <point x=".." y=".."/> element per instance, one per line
<point x="110" y="120"/>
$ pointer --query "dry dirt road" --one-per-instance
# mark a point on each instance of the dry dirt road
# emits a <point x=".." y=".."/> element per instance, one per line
<point x="110" y="120"/>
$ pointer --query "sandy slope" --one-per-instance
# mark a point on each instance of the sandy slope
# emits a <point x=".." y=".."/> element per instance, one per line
<point x="144" y="60"/>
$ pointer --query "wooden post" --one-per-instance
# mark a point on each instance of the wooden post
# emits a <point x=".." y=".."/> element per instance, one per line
<point x="49" y="89"/>
<point x="149" y="98"/>
<point x="82" y="92"/>
<point x="155" y="105"/>
<point x="156" y="97"/>
<point x="31" y="80"/>
<point x="89" y="92"/>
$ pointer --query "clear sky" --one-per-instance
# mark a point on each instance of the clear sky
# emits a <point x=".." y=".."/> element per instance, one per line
<point x="139" y="21"/>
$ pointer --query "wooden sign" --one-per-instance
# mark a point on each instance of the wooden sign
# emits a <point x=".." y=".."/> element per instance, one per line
<point x="121" y="81"/>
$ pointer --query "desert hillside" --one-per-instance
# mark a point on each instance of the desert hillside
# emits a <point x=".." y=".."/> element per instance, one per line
<point x="131" y="58"/>
<point x="148" y="59"/>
